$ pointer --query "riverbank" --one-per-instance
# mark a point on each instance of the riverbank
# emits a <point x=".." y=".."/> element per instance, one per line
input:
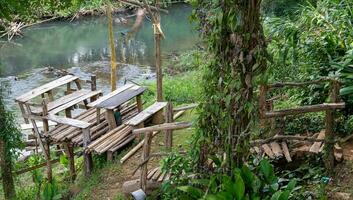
<point x="13" y="23"/>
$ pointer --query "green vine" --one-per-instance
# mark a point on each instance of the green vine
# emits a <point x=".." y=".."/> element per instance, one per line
<point x="237" y="49"/>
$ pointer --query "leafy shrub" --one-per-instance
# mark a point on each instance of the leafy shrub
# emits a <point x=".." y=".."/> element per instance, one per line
<point x="248" y="182"/>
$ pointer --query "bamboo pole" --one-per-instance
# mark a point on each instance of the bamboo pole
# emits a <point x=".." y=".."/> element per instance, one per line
<point x="112" y="47"/>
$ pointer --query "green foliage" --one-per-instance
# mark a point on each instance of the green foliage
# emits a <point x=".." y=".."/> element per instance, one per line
<point x="180" y="89"/>
<point x="315" y="43"/>
<point x="281" y="7"/>
<point x="307" y="44"/>
<point x="236" y="55"/>
<point x="248" y="182"/>
<point x="9" y="132"/>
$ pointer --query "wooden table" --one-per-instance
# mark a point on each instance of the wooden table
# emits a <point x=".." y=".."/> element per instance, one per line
<point x="117" y="98"/>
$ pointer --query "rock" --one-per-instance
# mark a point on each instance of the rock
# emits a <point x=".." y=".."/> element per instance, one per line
<point x="342" y="196"/>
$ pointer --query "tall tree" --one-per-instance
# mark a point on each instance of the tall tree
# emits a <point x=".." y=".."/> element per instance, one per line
<point x="236" y="43"/>
<point x="10" y="138"/>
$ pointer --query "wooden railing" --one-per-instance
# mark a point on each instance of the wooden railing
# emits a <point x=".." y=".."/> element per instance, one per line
<point x="267" y="114"/>
<point x="146" y="153"/>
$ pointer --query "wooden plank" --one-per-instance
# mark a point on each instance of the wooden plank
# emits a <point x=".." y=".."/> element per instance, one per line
<point x="187" y="107"/>
<point x="68" y="121"/>
<point x="276" y="149"/>
<point x="152" y="172"/>
<point x="110" y="95"/>
<point x="165" y="126"/>
<point x="302" y="84"/>
<point x="63" y="100"/>
<point x="305" y="109"/>
<point x="122" y="97"/>
<point x="145" y="114"/>
<point x="75" y="102"/>
<point x="286" y="152"/>
<point x="39" y="125"/>
<point x="157" y="175"/>
<point x="268" y="151"/>
<point x="161" y="177"/>
<point x="139" y="145"/>
<point x="45" y="88"/>
<point x="315" y="148"/>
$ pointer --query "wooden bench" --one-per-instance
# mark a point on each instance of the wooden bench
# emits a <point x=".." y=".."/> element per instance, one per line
<point x="49" y="107"/>
<point x="47" y="88"/>
<point x="67" y="101"/>
<point x="147" y="113"/>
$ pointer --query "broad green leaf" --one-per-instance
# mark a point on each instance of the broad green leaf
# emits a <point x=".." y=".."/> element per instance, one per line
<point x="276" y="195"/>
<point x="267" y="170"/>
<point x="239" y="187"/>
<point x="346" y="90"/>
<point x="192" y="191"/>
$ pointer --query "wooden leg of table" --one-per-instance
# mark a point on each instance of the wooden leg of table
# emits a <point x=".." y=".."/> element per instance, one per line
<point x="68" y="113"/>
<point x="71" y="157"/>
<point x="109" y="156"/>
<point x="87" y="156"/>
<point x="109" y="115"/>
<point x="49" y="167"/>
<point x="139" y="103"/>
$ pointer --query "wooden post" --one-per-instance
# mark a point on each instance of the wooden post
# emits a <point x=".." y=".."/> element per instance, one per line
<point x="329" y="126"/>
<point x="93" y="86"/>
<point x="139" y="103"/>
<point x="45" y="149"/>
<point x="49" y="167"/>
<point x="112" y="48"/>
<point x="157" y="39"/>
<point x="109" y="156"/>
<point x="71" y="157"/>
<point x="109" y="116"/>
<point x="47" y="144"/>
<point x="169" y="119"/>
<point x="68" y="88"/>
<point x="87" y="156"/>
<point x="50" y="95"/>
<point x="145" y="155"/>
<point x="79" y="87"/>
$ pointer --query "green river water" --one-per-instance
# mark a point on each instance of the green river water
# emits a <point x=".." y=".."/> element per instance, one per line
<point x="81" y="47"/>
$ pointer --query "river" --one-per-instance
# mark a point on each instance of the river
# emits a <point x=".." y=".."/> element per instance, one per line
<point x="81" y="47"/>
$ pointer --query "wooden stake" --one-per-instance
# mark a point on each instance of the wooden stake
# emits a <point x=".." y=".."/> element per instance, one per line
<point x="169" y="119"/>
<point x="329" y="125"/>
<point x="145" y="154"/>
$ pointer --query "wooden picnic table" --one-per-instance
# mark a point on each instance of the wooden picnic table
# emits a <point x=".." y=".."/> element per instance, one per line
<point x="117" y="98"/>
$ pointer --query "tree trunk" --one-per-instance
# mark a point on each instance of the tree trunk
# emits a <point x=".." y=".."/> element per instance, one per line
<point x="6" y="173"/>
<point x="237" y="45"/>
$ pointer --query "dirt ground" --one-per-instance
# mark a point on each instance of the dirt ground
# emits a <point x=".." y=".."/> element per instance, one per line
<point x="341" y="187"/>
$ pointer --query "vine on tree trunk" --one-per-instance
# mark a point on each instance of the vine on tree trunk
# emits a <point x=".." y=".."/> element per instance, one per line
<point x="237" y="47"/>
